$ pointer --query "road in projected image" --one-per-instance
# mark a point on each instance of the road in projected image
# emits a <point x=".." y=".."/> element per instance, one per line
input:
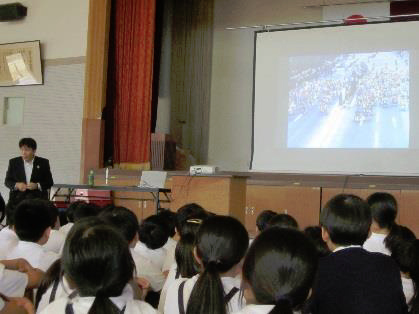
<point x="358" y="100"/>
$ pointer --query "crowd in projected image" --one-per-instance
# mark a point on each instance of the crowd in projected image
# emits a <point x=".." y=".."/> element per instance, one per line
<point x="356" y="100"/>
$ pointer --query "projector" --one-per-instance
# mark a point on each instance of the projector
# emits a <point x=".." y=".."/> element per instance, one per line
<point x="202" y="170"/>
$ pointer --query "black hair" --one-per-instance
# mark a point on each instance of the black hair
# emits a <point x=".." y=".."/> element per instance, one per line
<point x="153" y="233"/>
<point x="383" y="209"/>
<point x="314" y="234"/>
<point x="189" y="211"/>
<point x="283" y="221"/>
<point x="84" y="210"/>
<point x="185" y="260"/>
<point x="347" y="219"/>
<point x="169" y="218"/>
<point x="28" y="142"/>
<point x="398" y="235"/>
<point x="263" y="219"/>
<point x="221" y="243"/>
<point x="2" y="206"/>
<point x="51" y="275"/>
<point x="96" y="258"/>
<point x="71" y="208"/>
<point x="414" y="275"/>
<point x="123" y="220"/>
<point x="280" y="267"/>
<point x="32" y="218"/>
<point x="53" y="212"/>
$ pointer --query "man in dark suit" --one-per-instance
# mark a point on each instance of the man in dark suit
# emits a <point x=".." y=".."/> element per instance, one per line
<point x="352" y="280"/>
<point x="28" y="176"/>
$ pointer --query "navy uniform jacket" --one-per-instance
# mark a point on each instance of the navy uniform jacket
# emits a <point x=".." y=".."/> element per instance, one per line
<point x="41" y="173"/>
<point x="353" y="280"/>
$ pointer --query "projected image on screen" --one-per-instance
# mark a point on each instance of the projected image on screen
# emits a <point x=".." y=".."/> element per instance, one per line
<point x="357" y="100"/>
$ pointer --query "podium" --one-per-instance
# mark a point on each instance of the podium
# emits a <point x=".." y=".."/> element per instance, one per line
<point x="219" y="194"/>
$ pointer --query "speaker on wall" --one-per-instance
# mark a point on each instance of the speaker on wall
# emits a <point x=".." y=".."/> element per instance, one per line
<point x="12" y="12"/>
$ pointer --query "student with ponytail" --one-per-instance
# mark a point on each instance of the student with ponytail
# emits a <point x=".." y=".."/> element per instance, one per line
<point x="98" y="264"/>
<point x="221" y="243"/>
<point x="278" y="272"/>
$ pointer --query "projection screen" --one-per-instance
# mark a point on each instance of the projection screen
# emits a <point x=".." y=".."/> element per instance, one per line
<point x="340" y="99"/>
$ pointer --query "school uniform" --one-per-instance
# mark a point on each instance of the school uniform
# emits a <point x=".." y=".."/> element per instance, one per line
<point x="258" y="309"/>
<point x="170" y="248"/>
<point x="60" y="288"/>
<point x="12" y="283"/>
<point x="173" y="306"/>
<point x="353" y="280"/>
<point x="375" y="243"/>
<point x="408" y="289"/>
<point x="8" y="240"/>
<point x="156" y="256"/>
<point x="34" y="254"/>
<point x="66" y="228"/>
<point x="171" y="277"/>
<point x="55" y="241"/>
<point x="82" y="305"/>
<point x="146" y="269"/>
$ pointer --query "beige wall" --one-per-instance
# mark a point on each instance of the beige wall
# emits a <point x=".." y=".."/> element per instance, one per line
<point x="60" y="25"/>
<point x="52" y="111"/>
<point x="232" y="73"/>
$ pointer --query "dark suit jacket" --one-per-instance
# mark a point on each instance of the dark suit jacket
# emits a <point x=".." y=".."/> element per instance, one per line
<point x="354" y="280"/>
<point x="41" y="174"/>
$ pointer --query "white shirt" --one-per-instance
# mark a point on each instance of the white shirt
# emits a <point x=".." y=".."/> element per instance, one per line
<point x="155" y="256"/>
<point x="172" y="306"/>
<point x="171" y="277"/>
<point x="28" y="165"/>
<point x="8" y="240"/>
<point x="12" y="283"/>
<point x="375" y="243"/>
<point x="34" y="254"/>
<point x="170" y="248"/>
<point x="55" y="241"/>
<point x="63" y="291"/>
<point x="66" y="228"/>
<point x="81" y="305"/>
<point x="146" y="269"/>
<point x="257" y="309"/>
<point x="408" y="289"/>
<point x="340" y="248"/>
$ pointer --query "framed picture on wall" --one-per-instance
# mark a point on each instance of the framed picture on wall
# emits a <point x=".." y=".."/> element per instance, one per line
<point x="20" y="64"/>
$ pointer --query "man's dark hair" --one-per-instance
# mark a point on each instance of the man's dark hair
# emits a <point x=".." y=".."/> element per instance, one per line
<point x="32" y="218"/>
<point x="27" y="141"/>
<point x="123" y="220"/>
<point x="347" y="219"/>
<point x="263" y="218"/>
<point x="169" y="219"/>
<point x="283" y="221"/>
<point x="153" y="232"/>
<point x="383" y="209"/>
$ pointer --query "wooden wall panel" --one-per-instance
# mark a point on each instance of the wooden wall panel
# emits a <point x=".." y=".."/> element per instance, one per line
<point x="409" y="210"/>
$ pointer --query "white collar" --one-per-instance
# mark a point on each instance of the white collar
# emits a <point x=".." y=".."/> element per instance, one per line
<point x="340" y="248"/>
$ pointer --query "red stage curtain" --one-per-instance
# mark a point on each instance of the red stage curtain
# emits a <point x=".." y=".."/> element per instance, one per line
<point x="130" y="78"/>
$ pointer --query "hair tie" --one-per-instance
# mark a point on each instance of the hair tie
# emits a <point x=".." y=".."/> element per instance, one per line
<point x="195" y="221"/>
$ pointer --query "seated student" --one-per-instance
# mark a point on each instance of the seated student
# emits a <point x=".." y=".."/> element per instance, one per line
<point x="56" y="239"/>
<point x="126" y="223"/>
<point x="98" y="264"/>
<point x="263" y="219"/>
<point x="169" y="219"/>
<point x="283" y="221"/>
<point x="70" y="218"/>
<point x="185" y="265"/>
<point x="8" y="237"/>
<point x="152" y="237"/>
<point x="278" y="272"/>
<point x="314" y="234"/>
<point x="399" y="242"/>
<point x="351" y="279"/>
<point x="414" y="275"/>
<point x="33" y="226"/>
<point x="221" y="243"/>
<point x="384" y="211"/>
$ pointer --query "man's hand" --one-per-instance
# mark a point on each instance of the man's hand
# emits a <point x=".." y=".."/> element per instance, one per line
<point x="32" y="186"/>
<point x="21" y="186"/>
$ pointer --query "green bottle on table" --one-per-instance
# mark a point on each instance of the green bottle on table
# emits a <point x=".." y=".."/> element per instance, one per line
<point x="91" y="178"/>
